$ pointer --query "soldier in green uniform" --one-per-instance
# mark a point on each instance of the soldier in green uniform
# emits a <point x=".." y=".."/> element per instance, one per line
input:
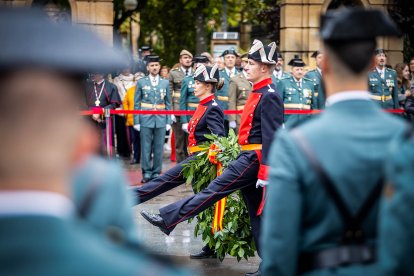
<point x="152" y="93"/>
<point x="222" y="95"/>
<point x="316" y="76"/>
<point x="187" y="99"/>
<point x="239" y="90"/>
<point x="397" y="225"/>
<point x="176" y="77"/>
<point x="382" y="82"/>
<point x="326" y="175"/>
<point x="39" y="234"/>
<point x="297" y="93"/>
<point x="278" y="73"/>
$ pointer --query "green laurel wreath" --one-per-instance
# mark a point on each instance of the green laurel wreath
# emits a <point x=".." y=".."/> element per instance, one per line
<point x="235" y="238"/>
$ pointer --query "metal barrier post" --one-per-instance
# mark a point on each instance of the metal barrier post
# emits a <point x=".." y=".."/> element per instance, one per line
<point x="107" y="113"/>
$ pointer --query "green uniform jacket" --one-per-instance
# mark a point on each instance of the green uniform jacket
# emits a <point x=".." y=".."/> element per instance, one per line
<point x="97" y="182"/>
<point x="187" y="99"/>
<point x="384" y="91"/>
<point x="351" y="143"/>
<point x="397" y="225"/>
<point x="222" y="95"/>
<point x="176" y="78"/>
<point x="39" y="245"/>
<point x="296" y="98"/>
<point x="148" y="97"/>
<point x="239" y="90"/>
<point x="316" y="77"/>
<point x="275" y="80"/>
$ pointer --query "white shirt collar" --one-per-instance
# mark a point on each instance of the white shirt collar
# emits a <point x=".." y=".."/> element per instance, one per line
<point x="154" y="79"/>
<point x="319" y="70"/>
<point x="100" y="82"/>
<point x="17" y="203"/>
<point x="380" y="71"/>
<point x="347" y="96"/>
<point x="228" y="71"/>
<point x="183" y="69"/>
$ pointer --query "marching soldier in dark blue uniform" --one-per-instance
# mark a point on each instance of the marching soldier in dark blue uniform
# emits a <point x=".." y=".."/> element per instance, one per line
<point x="316" y="76"/>
<point x="152" y="93"/>
<point x="229" y="57"/>
<point x="262" y="116"/>
<point x="188" y="101"/>
<point x="208" y="118"/>
<point x="297" y="93"/>
<point x="396" y="224"/>
<point x="278" y="73"/>
<point x="382" y="83"/>
<point x="326" y="175"/>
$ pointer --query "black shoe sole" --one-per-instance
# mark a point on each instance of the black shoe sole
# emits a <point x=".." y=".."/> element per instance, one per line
<point x="165" y="231"/>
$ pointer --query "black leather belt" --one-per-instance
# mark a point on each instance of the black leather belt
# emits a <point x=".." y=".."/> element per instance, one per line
<point x="336" y="257"/>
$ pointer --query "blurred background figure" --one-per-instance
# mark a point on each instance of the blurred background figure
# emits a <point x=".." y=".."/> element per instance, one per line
<point x="403" y="82"/>
<point x="140" y="65"/>
<point x="316" y="76"/>
<point x="176" y="78"/>
<point x="165" y="72"/>
<point x="220" y="63"/>
<point x="100" y="94"/>
<point x="239" y="90"/>
<point x="152" y="93"/>
<point x="209" y="57"/>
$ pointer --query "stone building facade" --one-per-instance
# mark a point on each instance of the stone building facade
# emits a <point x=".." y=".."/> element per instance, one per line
<point x="300" y="23"/>
<point x="96" y="16"/>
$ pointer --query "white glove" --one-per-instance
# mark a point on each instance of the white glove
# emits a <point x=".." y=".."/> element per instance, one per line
<point x="167" y="127"/>
<point x="173" y="119"/>
<point x="185" y="127"/>
<point x="137" y="127"/>
<point x="232" y="124"/>
<point x="261" y="183"/>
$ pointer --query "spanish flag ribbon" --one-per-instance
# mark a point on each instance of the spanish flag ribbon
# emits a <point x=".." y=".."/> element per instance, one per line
<point x="221" y="204"/>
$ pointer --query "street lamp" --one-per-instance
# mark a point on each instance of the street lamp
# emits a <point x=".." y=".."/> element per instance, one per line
<point x="130" y="5"/>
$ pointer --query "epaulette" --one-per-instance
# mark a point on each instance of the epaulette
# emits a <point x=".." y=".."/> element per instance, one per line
<point x="285" y="78"/>
<point x="306" y="79"/>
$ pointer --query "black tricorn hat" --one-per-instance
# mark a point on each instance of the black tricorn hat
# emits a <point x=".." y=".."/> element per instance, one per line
<point x="201" y="59"/>
<point x="261" y="53"/>
<point x="146" y="48"/>
<point x="380" y="51"/>
<point x="152" y="58"/>
<point x="29" y="38"/>
<point x="297" y="62"/>
<point x="316" y="53"/>
<point x="279" y="55"/>
<point x="230" y="51"/>
<point x="207" y="74"/>
<point x="356" y="24"/>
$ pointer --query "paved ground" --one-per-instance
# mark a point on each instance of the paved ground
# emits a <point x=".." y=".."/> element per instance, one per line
<point x="181" y="241"/>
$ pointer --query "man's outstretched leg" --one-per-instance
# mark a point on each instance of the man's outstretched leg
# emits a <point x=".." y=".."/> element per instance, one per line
<point x="241" y="173"/>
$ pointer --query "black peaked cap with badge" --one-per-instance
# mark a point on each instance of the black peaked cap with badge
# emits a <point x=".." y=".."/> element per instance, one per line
<point x="261" y="53"/>
<point x="230" y="51"/>
<point x="350" y="25"/>
<point x="296" y="61"/>
<point x="29" y="39"/>
<point x="207" y="74"/>
<point x="153" y="58"/>
<point x="200" y="59"/>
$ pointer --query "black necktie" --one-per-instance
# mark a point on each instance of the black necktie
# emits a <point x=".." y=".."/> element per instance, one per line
<point x="186" y="72"/>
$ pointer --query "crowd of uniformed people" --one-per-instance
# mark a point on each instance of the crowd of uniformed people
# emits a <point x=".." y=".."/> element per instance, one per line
<point x="327" y="194"/>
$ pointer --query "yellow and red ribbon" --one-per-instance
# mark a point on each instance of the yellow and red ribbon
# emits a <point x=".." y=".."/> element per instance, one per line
<point x="220" y="206"/>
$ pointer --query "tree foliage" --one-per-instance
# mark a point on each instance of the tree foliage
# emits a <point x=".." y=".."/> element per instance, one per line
<point x="402" y="11"/>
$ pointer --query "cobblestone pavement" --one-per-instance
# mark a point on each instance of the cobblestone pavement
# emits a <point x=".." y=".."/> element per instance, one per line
<point x="181" y="241"/>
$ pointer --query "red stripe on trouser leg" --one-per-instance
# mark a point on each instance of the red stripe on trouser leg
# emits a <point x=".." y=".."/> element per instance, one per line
<point x="262" y="204"/>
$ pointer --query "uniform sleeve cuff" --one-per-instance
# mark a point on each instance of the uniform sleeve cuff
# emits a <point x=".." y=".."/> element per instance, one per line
<point x="263" y="172"/>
